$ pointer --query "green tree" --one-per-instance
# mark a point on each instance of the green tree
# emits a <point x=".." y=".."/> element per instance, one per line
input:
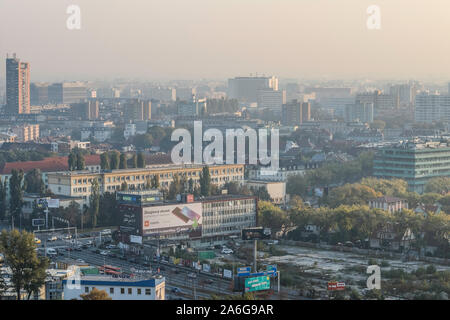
<point x="33" y="182"/>
<point x="123" y="161"/>
<point x="438" y="185"/>
<point x="81" y="164"/>
<point x="16" y="195"/>
<point x="114" y="160"/>
<point x="134" y="161"/>
<point x="94" y="202"/>
<point x="155" y="181"/>
<point x="72" y="159"/>
<point x="124" y="186"/>
<point x="271" y="216"/>
<point x="3" y="199"/>
<point x="350" y="194"/>
<point x="205" y="182"/>
<point x="104" y="161"/>
<point x="140" y="160"/>
<point x="109" y="213"/>
<point x="28" y="270"/>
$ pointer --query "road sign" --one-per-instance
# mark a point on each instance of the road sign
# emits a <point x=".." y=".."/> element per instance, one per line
<point x="336" y="286"/>
<point x="257" y="284"/>
<point x="244" y="271"/>
<point x="256" y="233"/>
<point x="38" y="222"/>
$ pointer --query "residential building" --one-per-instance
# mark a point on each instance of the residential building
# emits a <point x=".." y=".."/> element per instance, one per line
<point x="39" y="93"/>
<point x="391" y="204"/>
<point x="136" y="109"/>
<point x="295" y="113"/>
<point x="25" y="133"/>
<point x="271" y="99"/>
<point x="275" y="189"/>
<point x="359" y="111"/>
<point x="17" y="86"/>
<point x="67" y="92"/>
<point x="88" y="110"/>
<point x="194" y="107"/>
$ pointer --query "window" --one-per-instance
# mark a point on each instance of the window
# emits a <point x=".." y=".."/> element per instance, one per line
<point x="130" y="291"/>
<point x="86" y="289"/>
<point x="139" y="291"/>
<point x="111" y="290"/>
<point x="147" y="292"/>
<point x="122" y="290"/>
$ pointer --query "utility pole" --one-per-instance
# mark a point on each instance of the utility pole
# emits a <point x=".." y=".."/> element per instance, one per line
<point x="255" y="251"/>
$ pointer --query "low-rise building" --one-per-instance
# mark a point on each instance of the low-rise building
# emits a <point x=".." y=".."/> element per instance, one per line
<point x="391" y="204"/>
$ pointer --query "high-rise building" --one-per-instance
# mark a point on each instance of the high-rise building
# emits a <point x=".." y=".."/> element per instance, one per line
<point x="295" y="113"/>
<point x="402" y="94"/>
<point x="88" y="110"/>
<point x="39" y="93"/>
<point x="67" y="92"/>
<point x="194" y="107"/>
<point x="245" y="89"/>
<point x="381" y="102"/>
<point x="359" y="111"/>
<point x="137" y="109"/>
<point x="432" y="107"/>
<point x="17" y="86"/>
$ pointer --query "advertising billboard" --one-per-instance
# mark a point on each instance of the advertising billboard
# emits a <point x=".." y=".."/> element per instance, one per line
<point x="333" y="285"/>
<point x="177" y="218"/>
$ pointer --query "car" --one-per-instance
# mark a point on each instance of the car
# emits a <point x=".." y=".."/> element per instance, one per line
<point x="53" y="238"/>
<point x="348" y="244"/>
<point x="227" y="251"/>
<point x="192" y="275"/>
<point x="77" y="248"/>
<point x="208" y="281"/>
<point x="272" y="242"/>
<point x="37" y="240"/>
<point x="81" y="261"/>
<point x="112" y="255"/>
<point x="217" y="246"/>
<point x="67" y="237"/>
<point x="111" y="246"/>
<point x="104" y="253"/>
<point x="176" y="290"/>
<point x="105" y="232"/>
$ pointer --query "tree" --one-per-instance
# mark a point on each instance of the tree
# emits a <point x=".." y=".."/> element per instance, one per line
<point x="134" y="162"/>
<point x="72" y="161"/>
<point x="16" y="192"/>
<point x="94" y="202"/>
<point x="3" y="200"/>
<point x="155" y="181"/>
<point x="123" y="161"/>
<point x="176" y="187"/>
<point x="71" y="213"/>
<point x="271" y="216"/>
<point x="205" y="182"/>
<point x="140" y="160"/>
<point x="124" y="186"/>
<point x="81" y="164"/>
<point x="114" y="160"/>
<point x="95" y="294"/>
<point x="104" y="161"/>
<point x="33" y="182"/>
<point x="439" y="185"/>
<point x="350" y="194"/>
<point x="28" y="270"/>
<point x="109" y="213"/>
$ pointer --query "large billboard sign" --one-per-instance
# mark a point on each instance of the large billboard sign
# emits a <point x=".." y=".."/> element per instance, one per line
<point x="257" y="284"/>
<point x="256" y="233"/>
<point x="178" y="218"/>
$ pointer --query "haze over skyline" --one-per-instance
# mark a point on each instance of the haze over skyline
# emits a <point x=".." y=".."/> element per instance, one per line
<point x="178" y="39"/>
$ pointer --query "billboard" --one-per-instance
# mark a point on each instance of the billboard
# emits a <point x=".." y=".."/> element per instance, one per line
<point x="333" y="285"/>
<point x="135" y="239"/>
<point x="257" y="284"/>
<point x="256" y="233"/>
<point x="227" y="274"/>
<point x="178" y="218"/>
<point x="53" y="203"/>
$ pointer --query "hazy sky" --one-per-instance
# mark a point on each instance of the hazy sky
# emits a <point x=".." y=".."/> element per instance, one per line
<point x="184" y="39"/>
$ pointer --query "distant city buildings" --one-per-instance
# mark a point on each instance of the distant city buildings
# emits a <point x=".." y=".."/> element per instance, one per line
<point x="194" y="107"/>
<point x="88" y="110"/>
<point x="432" y="108"/>
<point x="137" y="109"/>
<point x="295" y="113"/>
<point x="359" y="111"/>
<point x="67" y="92"/>
<point x="245" y="89"/>
<point x="17" y="86"/>
<point x="271" y="99"/>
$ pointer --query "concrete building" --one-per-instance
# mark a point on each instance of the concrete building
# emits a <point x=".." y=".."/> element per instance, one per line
<point x="39" y="93"/>
<point x="271" y="99"/>
<point x="78" y="183"/>
<point x="67" y="92"/>
<point x="139" y="110"/>
<point x="88" y="110"/>
<point x="414" y="161"/>
<point x="17" y="86"/>
<point x="295" y="113"/>
<point x="245" y="89"/>
<point x="25" y="133"/>
<point x="275" y="189"/>
<point x="359" y="111"/>
<point x="137" y="288"/>
<point x="199" y="221"/>
<point x="432" y="108"/>
<point x="382" y="103"/>
<point x="194" y="107"/>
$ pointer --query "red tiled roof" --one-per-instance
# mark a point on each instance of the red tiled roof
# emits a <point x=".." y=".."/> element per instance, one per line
<point x="47" y="165"/>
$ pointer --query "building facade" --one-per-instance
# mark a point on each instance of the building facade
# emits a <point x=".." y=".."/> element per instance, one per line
<point x="17" y="86"/>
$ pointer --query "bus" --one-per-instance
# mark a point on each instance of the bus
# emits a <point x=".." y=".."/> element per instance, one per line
<point x="109" y="270"/>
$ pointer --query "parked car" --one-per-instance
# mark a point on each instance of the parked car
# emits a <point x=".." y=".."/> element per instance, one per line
<point x="208" y="281"/>
<point x="37" y="240"/>
<point x="348" y="244"/>
<point x="227" y="251"/>
<point x="176" y="290"/>
<point x="104" y="253"/>
<point x="192" y="275"/>
<point x="81" y="261"/>
<point x="52" y="238"/>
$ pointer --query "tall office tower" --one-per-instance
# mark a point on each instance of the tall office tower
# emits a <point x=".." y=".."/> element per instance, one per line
<point x="432" y="108"/>
<point x="245" y="89"/>
<point x="194" y="107"/>
<point x="88" y="110"/>
<point x="138" y="110"/>
<point x="67" y="92"/>
<point x="17" y="86"/>
<point x="295" y="113"/>
<point x="362" y="111"/>
<point x="402" y="94"/>
<point x="38" y="93"/>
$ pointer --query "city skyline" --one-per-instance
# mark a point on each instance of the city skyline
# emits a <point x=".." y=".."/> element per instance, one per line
<point x="155" y="39"/>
